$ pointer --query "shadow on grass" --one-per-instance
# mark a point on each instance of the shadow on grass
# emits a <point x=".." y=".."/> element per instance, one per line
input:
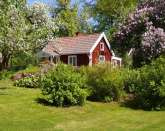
<point x="133" y="104"/>
<point x="136" y="105"/>
<point x="3" y="88"/>
<point x="3" y="94"/>
<point x="43" y="101"/>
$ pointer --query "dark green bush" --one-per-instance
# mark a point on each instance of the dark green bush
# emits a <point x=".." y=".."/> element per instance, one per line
<point x="64" y="86"/>
<point x="106" y="83"/>
<point x="28" y="82"/>
<point x="149" y="85"/>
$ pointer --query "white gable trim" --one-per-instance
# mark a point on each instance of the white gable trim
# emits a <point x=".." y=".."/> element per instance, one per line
<point x="97" y="42"/>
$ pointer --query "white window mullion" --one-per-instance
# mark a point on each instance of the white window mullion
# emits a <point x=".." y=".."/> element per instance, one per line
<point x="72" y="60"/>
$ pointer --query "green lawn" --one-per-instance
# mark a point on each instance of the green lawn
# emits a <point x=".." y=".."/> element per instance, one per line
<point x="20" y="111"/>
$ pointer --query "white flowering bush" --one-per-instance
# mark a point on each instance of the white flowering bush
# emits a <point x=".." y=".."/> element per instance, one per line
<point x="13" y="31"/>
<point x="23" y="29"/>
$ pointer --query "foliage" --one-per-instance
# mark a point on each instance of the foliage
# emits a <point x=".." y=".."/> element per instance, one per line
<point x="28" y="82"/>
<point x="66" y="18"/>
<point x="70" y="19"/>
<point x="28" y="69"/>
<point x="5" y="74"/>
<point x="143" y="30"/>
<point x="106" y="83"/>
<point x="127" y="61"/>
<point x="85" y="21"/>
<point x="148" y="85"/>
<point x="24" y="59"/>
<point x="108" y="13"/>
<point x="64" y="86"/>
<point x="31" y="69"/>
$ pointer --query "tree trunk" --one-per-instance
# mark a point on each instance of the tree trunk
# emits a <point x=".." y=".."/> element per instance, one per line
<point x="5" y="61"/>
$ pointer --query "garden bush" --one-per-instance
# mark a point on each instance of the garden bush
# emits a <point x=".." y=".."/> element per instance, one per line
<point x="64" y="86"/>
<point x="149" y="85"/>
<point x="106" y="83"/>
<point x="5" y="74"/>
<point x="28" y="82"/>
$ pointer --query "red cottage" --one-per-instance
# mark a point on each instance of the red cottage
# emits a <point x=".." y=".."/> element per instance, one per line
<point x="80" y="50"/>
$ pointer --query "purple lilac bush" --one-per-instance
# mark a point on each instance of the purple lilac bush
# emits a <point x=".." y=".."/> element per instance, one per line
<point x="143" y="30"/>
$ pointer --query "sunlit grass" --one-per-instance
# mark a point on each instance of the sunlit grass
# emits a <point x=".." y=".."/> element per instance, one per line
<point x="20" y="111"/>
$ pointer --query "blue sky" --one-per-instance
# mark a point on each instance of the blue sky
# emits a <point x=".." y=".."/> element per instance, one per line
<point x="49" y="2"/>
<point x="52" y="2"/>
<point x="44" y="1"/>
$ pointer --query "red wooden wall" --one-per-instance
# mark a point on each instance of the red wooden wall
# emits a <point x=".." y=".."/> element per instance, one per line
<point x="97" y="52"/>
<point x="82" y="59"/>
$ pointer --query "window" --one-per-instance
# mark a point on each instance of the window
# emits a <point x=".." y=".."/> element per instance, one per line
<point x="56" y="59"/>
<point x="101" y="59"/>
<point x="102" y="46"/>
<point x="116" y="61"/>
<point x="72" y="60"/>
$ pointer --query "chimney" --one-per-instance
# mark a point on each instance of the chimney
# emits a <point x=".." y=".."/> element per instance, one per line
<point x="80" y="34"/>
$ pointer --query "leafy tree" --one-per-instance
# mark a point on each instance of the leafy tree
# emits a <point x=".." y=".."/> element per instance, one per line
<point x="66" y="18"/>
<point x="70" y="18"/>
<point x="84" y="18"/>
<point x="108" y="13"/>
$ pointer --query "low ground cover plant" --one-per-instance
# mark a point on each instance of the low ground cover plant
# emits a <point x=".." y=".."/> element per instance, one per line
<point x="28" y="82"/>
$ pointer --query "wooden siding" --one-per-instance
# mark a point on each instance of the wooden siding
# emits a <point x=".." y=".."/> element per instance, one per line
<point x="82" y="59"/>
<point x="97" y="52"/>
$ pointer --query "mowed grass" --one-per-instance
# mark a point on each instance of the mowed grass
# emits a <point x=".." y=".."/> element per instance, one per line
<point x="20" y="111"/>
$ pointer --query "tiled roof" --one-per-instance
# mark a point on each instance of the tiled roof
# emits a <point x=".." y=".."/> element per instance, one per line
<point x="72" y="45"/>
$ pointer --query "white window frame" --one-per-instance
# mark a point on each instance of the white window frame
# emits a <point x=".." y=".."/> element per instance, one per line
<point x="100" y="58"/>
<point x="115" y="61"/>
<point x="102" y="46"/>
<point x="70" y="62"/>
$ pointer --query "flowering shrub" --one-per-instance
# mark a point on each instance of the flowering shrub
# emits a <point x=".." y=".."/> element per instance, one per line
<point x="144" y="31"/>
<point x="28" y="82"/>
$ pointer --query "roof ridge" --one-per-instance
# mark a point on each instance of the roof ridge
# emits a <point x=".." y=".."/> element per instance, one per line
<point x="71" y="37"/>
